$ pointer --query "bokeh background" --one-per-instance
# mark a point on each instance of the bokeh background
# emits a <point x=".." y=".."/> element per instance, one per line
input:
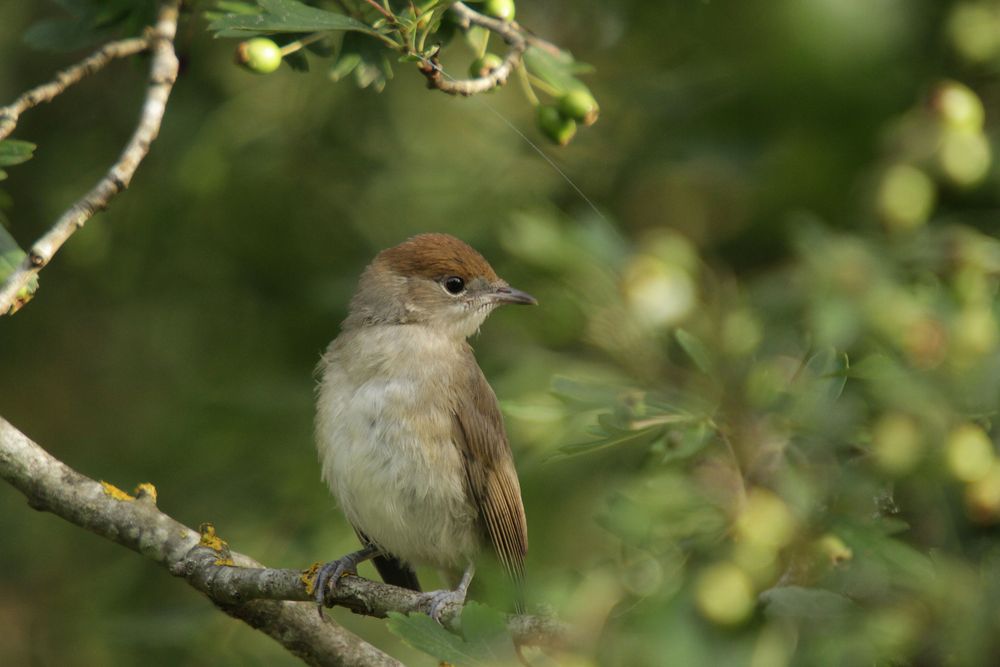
<point x="752" y="414"/>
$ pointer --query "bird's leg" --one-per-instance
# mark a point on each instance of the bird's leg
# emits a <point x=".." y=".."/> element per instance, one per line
<point x="441" y="598"/>
<point x="335" y="569"/>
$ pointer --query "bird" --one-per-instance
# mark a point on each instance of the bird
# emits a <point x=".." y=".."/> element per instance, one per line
<point x="409" y="433"/>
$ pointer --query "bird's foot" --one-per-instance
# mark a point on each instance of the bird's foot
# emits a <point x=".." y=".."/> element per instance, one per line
<point x="440" y="600"/>
<point x="330" y="573"/>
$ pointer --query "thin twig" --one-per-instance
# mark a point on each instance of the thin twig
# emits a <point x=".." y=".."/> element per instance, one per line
<point x="68" y="77"/>
<point x="508" y="31"/>
<point x="162" y="74"/>
<point x="388" y="15"/>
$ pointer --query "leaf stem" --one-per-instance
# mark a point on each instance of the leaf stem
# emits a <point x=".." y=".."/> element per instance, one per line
<point x="299" y="44"/>
<point x="541" y="85"/>
<point x="525" y="79"/>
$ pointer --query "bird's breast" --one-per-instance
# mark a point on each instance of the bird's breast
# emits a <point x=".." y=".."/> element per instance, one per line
<point x="384" y="436"/>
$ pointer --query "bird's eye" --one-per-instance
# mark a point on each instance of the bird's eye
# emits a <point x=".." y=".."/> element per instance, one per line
<point x="454" y="285"/>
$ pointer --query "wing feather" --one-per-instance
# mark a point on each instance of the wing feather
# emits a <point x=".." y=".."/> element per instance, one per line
<point x="479" y="433"/>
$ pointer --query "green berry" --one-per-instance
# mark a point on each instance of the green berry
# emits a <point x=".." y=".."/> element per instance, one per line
<point x="724" y="594"/>
<point x="905" y="197"/>
<point x="501" y="9"/>
<point x="579" y="105"/>
<point x="555" y="126"/>
<point x="958" y="106"/>
<point x="484" y="66"/>
<point x="260" y="55"/>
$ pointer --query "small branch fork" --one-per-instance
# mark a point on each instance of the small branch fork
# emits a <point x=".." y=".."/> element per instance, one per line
<point x="162" y="74"/>
<point x="510" y="33"/>
<point x="278" y="602"/>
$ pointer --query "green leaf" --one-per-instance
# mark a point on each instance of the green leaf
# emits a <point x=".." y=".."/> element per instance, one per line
<point x="695" y="349"/>
<point x="11" y="257"/>
<point x="805" y="603"/>
<point x="92" y="21"/>
<point x="344" y="65"/>
<point x="612" y="424"/>
<point x="367" y="59"/>
<point x="909" y="567"/>
<point x="592" y="394"/>
<point x="425" y="634"/>
<point x="297" y="61"/>
<point x="286" y="16"/>
<point x="236" y="7"/>
<point x="557" y="71"/>
<point x="831" y="370"/>
<point x="686" y="443"/>
<point x="642" y="437"/>
<point x="484" y="641"/>
<point x="13" y="151"/>
<point x="485" y="632"/>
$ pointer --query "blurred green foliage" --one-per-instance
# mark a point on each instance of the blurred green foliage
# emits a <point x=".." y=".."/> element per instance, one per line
<point x="753" y="416"/>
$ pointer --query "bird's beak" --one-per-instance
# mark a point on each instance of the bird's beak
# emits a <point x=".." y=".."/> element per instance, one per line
<point x="507" y="294"/>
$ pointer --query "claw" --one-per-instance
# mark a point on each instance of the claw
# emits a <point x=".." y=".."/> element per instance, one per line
<point x="441" y="599"/>
<point x="331" y="572"/>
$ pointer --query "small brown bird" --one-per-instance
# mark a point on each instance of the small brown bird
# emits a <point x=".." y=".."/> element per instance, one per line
<point x="409" y="432"/>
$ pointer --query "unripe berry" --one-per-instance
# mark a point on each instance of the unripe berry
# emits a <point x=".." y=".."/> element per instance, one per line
<point x="501" y="9"/>
<point x="765" y="520"/>
<point x="260" y="55"/>
<point x="724" y="594"/>
<point x="484" y="66"/>
<point x="982" y="498"/>
<point x="555" y="126"/>
<point x="579" y="105"/>
<point x="964" y="157"/>
<point x="958" y="106"/>
<point x="906" y="197"/>
<point x="896" y="443"/>
<point x="830" y="546"/>
<point x="969" y="453"/>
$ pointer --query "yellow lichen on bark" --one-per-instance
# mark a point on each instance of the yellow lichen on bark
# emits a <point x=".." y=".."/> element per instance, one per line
<point x="210" y="539"/>
<point x="309" y="578"/>
<point x="146" y="490"/>
<point x="116" y="493"/>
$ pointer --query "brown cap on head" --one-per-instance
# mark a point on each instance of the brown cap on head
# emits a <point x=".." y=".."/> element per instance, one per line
<point x="435" y="256"/>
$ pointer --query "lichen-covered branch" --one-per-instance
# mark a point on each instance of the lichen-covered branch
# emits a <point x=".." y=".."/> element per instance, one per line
<point x="276" y="601"/>
<point x="509" y="32"/>
<point x="135" y="522"/>
<point x="207" y="569"/>
<point x="162" y="74"/>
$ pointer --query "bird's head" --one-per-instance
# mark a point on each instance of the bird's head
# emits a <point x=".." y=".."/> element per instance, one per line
<point x="432" y="279"/>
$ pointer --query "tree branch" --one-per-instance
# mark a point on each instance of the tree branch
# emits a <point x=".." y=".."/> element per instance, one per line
<point x="208" y="569"/>
<point x="162" y="74"/>
<point x="135" y="522"/>
<point x="278" y="602"/>
<point x="509" y="32"/>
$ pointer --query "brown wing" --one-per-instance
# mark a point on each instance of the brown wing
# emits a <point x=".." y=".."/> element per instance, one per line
<point x="489" y="466"/>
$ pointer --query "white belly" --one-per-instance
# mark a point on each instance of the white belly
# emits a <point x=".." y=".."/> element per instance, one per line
<point x="384" y="442"/>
